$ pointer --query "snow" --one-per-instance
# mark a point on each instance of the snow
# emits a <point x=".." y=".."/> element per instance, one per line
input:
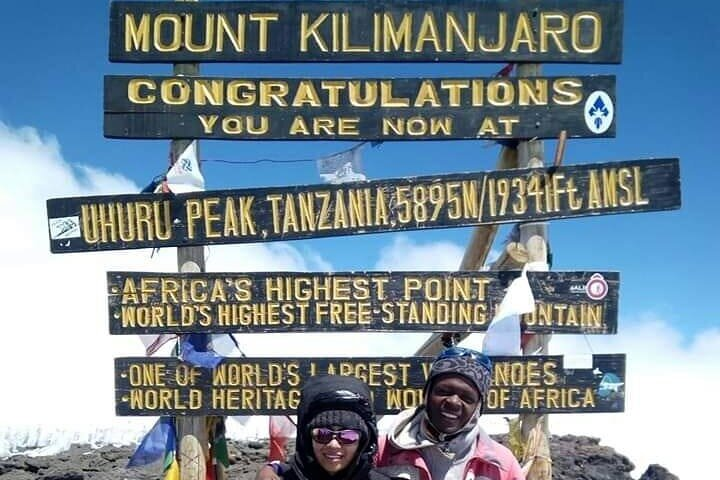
<point x="39" y="440"/>
<point x="36" y="441"/>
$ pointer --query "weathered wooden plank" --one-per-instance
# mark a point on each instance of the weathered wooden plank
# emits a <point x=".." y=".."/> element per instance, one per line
<point x="286" y="213"/>
<point x="144" y="302"/>
<point x="579" y="31"/>
<point x="358" y="109"/>
<point x="261" y="386"/>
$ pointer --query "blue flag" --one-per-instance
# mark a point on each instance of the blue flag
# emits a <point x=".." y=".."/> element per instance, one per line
<point x="156" y="443"/>
<point x="195" y="351"/>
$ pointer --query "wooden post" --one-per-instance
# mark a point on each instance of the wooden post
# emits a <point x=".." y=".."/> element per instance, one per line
<point x="475" y="255"/>
<point x="532" y="247"/>
<point x="534" y="238"/>
<point x="483" y="236"/>
<point x="191" y="430"/>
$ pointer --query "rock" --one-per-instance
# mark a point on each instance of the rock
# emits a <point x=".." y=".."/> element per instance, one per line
<point x="574" y="458"/>
<point x="583" y="458"/>
<point x="597" y="462"/>
<point x="35" y="464"/>
<point x="63" y="472"/>
<point x="256" y="445"/>
<point x="656" y="472"/>
<point x="11" y="464"/>
<point x="112" y="454"/>
<point x="19" y="475"/>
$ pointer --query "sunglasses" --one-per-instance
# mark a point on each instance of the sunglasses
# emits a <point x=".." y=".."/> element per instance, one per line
<point x="480" y="358"/>
<point x="344" y="437"/>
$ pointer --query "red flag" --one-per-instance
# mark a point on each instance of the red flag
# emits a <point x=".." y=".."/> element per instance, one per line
<point x="210" y="466"/>
<point x="282" y="429"/>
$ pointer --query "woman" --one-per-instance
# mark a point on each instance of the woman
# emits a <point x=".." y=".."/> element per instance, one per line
<point x="336" y="432"/>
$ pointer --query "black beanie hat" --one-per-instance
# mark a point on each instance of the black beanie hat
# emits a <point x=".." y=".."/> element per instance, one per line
<point x="478" y="373"/>
<point x="339" y="418"/>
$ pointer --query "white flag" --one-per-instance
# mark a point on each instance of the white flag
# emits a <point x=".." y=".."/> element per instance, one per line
<point x="503" y="333"/>
<point x="342" y="167"/>
<point x="153" y="342"/>
<point x="224" y="345"/>
<point x="184" y="176"/>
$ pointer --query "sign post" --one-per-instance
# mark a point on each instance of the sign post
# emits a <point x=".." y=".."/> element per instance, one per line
<point x="191" y="430"/>
<point x="526" y="108"/>
<point x="271" y="386"/>
<point x="571" y="31"/>
<point x="385" y="109"/>
<point x="534" y="237"/>
<point x="273" y="302"/>
<point x="120" y="222"/>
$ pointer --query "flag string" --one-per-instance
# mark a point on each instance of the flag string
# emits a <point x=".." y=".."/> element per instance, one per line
<point x="503" y="72"/>
<point x="292" y="160"/>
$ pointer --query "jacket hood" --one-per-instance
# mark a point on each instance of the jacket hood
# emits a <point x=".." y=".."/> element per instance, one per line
<point x="410" y="435"/>
<point x="333" y="392"/>
<point x="411" y="432"/>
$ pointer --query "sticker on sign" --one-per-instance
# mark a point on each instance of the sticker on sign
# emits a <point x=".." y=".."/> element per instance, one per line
<point x="597" y="287"/>
<point x="599" y="112"/>
<point x="65" y="227"/>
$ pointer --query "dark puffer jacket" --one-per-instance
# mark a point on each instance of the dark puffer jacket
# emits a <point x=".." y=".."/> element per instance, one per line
<point x="333" y="392"/>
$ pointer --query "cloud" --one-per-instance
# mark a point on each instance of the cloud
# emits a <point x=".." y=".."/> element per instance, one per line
<point x="672" y="388"/>
<point x="668" y="376"/>
<point x="57" y="355"/>
<point x="405" y="254"/>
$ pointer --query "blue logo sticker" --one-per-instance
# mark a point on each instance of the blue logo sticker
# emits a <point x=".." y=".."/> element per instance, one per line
<point x="599" y="112"/>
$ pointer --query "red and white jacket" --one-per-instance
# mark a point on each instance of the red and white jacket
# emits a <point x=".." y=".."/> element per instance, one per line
<point x="489" y="460"/>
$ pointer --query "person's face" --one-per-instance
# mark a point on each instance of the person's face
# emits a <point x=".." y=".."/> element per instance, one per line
<point x="335" y="455"/>
<point x="452" y="401"/>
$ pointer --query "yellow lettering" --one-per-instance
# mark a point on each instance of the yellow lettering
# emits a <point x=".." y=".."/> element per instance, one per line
<point x="137" y="36"/>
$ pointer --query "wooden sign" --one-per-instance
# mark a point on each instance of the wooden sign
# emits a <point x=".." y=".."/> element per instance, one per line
<point x="543" y="31"/>
<point x="116" y="222"/>
<point x="566" y="302"/>
<point x="271" y="386"/>
<point x="358" y="109"/>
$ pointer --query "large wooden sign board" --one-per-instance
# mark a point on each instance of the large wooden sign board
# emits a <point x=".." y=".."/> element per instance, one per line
<point x="358" y="109"/>
<point x="142" y="302"/>
<point x="543" y="31"/>
<point x="116" y="222"/>
<point x="271" y="386"/>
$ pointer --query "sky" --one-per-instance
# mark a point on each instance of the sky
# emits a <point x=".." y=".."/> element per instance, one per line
<point x="57" y="354"/>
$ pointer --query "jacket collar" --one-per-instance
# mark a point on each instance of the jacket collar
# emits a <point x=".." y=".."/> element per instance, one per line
<point x="409" y="434"/>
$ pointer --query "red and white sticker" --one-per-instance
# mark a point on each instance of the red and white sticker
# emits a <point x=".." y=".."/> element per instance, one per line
<point x="596" y="288"/>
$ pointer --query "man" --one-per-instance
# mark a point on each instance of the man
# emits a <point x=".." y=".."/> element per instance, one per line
<point x="442" y="437"/>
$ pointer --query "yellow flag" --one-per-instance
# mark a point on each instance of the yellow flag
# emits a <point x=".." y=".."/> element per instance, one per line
<point x="173" y="471"/>
<point x="515" y="438"/>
